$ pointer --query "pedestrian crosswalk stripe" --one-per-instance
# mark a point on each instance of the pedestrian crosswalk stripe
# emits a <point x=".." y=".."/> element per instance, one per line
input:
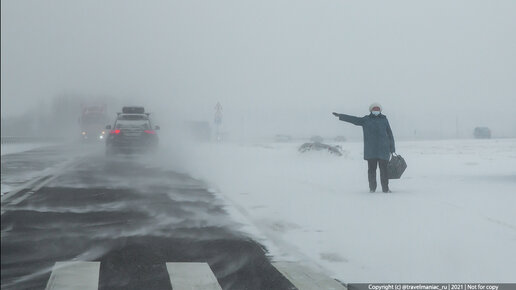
<point x="305" y="279"/>
<point x="74" y="275"/>
<point x="183" y="276"/>
<point x="192" y="276"/>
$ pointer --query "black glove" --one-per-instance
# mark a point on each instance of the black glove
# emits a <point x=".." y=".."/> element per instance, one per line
<point x="335" y="114"/>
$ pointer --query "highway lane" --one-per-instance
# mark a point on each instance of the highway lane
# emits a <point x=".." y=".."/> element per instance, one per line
<point x="132" y="217"/>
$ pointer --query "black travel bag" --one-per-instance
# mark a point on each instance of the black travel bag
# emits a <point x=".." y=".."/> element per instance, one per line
<point x="396" y="166"/>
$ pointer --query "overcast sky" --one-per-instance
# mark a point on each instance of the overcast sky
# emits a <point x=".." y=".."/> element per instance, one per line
<point x="275" y="66"/>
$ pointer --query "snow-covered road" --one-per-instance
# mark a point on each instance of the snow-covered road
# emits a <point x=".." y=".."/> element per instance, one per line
<point x="450" y="218"/>
<point x="24" y="162"/>
<point x="22" y="147"/>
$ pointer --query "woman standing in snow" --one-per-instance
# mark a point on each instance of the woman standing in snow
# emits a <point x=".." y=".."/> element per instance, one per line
<point x="378" y="143"/>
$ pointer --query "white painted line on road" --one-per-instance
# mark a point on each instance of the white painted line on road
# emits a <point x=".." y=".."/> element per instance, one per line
<point x="29" y="184"/>
<point x="74" y="275"/>
<point x="192" y="276"/>
<point x="305" y="279"/>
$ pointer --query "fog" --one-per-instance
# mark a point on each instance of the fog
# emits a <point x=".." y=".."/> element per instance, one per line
<point x="439" y="68"/>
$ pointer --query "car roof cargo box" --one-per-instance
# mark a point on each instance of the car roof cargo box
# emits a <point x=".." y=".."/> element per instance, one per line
<point x="133" y="110"/>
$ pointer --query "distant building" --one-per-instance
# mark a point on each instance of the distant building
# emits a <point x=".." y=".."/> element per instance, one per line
<point x="282" y="138"/>
<point x="199" y="130"/>
<point x="482" y="133"/>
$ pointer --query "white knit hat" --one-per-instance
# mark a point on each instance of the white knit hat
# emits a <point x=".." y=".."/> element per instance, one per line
<point x="375" y="105"/>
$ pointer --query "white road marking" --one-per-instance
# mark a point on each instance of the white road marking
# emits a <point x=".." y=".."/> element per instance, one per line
<point x="192" y="276"/>
<point x="305" y="279"/>
<point x="183" y="276"/>
<point x="74" y="275"/>
<point x="29" y="184"/>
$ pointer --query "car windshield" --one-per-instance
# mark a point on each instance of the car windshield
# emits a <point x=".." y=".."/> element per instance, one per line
<point x="140" y="124"/>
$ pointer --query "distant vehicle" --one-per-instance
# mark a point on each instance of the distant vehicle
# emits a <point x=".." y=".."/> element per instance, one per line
<point x="482" y="133"/>
<point x="317" y="139"/>
<point x="92" y="121"/>
<point x="282" y="138"/>
<point x="132" y="133"/>
<point x="340" y="139"/>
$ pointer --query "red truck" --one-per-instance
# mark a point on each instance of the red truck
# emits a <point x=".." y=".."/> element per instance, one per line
<point x="92" y="122"/>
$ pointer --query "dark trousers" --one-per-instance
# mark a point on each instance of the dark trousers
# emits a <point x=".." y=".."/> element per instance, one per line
<point x="371" y="173"/>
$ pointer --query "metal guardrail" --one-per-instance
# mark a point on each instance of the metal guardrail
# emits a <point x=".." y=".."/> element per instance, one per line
<point x="24" y="139"/>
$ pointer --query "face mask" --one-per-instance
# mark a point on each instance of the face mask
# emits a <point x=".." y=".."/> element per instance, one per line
<point x="376" y="113"/>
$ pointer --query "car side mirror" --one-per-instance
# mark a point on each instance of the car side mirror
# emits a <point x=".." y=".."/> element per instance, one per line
<point x="108" y="127"/>
<point x="156" y="127"/>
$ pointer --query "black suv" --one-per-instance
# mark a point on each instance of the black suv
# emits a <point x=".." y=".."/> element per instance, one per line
<point x="132" y="133"/>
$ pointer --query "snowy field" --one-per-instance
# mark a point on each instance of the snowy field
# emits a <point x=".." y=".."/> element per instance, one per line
<point x="450" y="218"/>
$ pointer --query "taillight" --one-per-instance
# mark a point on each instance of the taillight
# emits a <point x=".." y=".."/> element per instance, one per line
<point x="116" y="132"/>
<point x="150" y="132"/>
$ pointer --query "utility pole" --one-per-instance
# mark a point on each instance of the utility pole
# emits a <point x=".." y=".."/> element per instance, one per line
<point x="457" y="126"/>
<point x="218" y="121"/>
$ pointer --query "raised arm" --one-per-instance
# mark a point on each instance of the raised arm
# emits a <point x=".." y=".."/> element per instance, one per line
<point x="391" y="138"/>
<point x="359" y="121"/>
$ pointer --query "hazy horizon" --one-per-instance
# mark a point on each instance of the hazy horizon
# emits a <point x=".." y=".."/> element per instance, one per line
<point x="439" y="68"/>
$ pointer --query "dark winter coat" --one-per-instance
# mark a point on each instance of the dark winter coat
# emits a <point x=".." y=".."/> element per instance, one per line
<point x="378" y="139"/>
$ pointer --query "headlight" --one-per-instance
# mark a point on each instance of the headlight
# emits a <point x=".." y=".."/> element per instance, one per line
<point x="83" y="133"/>
<point x="101" y="137"/>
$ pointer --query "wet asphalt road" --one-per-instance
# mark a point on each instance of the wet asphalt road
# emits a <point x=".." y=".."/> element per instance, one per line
<point x="133" y="217"/>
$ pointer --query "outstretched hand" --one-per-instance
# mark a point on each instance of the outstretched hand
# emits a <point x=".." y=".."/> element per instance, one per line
<point x="335" y="114"/>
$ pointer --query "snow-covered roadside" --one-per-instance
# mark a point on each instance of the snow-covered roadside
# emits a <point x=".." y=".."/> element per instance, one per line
<point x="450" y="218"/>
<point x="17" y="148"/>
<point x="11" y="149"/>
<point x="25" y="163"/>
